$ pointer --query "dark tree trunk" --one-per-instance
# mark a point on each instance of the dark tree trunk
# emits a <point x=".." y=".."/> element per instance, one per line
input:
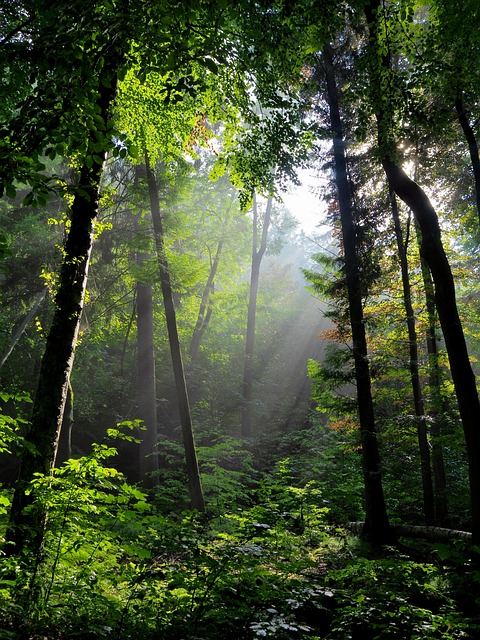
<point x="438" y="404"/>
<point x="445" y="300"/>
<point x="472" y="147"/>
<point x="146" y="382"/>
<point x="194" y="483"/>
<point x="376" y="528"/>
<point x="433" y="252"/>
<point x="422" y="431"/>
<point x="205" y="310"/>
<point x="257" y="255"/>
<point x="26" y="526"/>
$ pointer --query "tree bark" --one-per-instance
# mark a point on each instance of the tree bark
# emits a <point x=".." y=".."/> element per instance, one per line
<point x="433" y="252"/>
<point x="26" y="527"/>
<point x="472" y="147"/>
<point x="376" y="527"/>
<point x="146" y="382"/>
<point x="419" y="405"/>
<point x="258" y="251"/>
<point x="194" y="483"/>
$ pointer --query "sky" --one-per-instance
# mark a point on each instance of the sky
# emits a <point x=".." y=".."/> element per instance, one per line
<point x="303" y="204"/>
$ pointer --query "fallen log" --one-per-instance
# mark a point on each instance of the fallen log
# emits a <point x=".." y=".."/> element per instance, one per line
<point x="416" y="531"/>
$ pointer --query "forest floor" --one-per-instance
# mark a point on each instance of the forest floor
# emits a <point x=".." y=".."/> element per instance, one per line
<point x="272" y="566"/>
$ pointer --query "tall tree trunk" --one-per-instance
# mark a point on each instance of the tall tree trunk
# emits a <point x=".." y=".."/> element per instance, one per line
<point x="472" y="146"/>
<point x="23" y="325"/>
<point x="376" y="528"/>
<point x="258" y="251"/>
<point x="419" y="405"/>
<point x="205" y="310"/>
<point x="194" y="483"/>
<point x="146" y="382"/>
<point x="433" y="252"/>
<point x="438" y="400"/>
<point x="26" y="527"/>
<point x="434" y="382"/>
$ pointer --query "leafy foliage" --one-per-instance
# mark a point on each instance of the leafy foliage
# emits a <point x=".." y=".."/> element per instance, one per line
<point x="268" y="565"/>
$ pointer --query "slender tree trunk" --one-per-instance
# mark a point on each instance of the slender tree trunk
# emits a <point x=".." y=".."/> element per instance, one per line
<point x="434" y="382"/>
<point x="422" y="431"/>
<point x="433" y="252"/>
<point x="438" y="400"/>
<point x="146" y="382"/>
<point x="257" y="255"/>
<point x="26" y="527"/>
<point x="23" y="325"/>
<point x="472" y="146"/>
<point x="205" y="310"/>
<point x="194" y="483"/>
<point x="376" y="528"/>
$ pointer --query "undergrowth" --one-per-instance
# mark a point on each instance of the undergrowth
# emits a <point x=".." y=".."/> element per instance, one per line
<point x="264" y="563"/>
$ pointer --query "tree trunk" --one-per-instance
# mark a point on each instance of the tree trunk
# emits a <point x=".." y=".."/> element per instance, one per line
<point x="433" y="252"/>
<point x="205" y="310"/>
<point x="257" y="255"/>
<point x="438" y="403"/>
<point x="445" y="299"/>
<point x="472" y="147"/>
<point x="23" y="325"/>
<point x="376" y="528"/>
<point x="194" y="483"/>
<point x="26" y="527"/>
<point x="146" y="382"/>
<point x="422" y="431"/>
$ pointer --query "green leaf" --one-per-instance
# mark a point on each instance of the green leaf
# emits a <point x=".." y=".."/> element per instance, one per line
<point x="211" y="65"/>
<point x="10" y="191"/>
<point x="133" y="151"/>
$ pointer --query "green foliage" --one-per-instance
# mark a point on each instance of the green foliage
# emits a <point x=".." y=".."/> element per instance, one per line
<point x="263" y="564"/>
<point x="12" y="423"/>
<point x="265" y="561"/>
<point x="394" y="597"/>
<point x="4" y="246"/>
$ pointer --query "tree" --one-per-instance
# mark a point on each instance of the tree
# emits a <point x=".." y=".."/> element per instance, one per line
<point x="431" y="249"/>
<point x="428" y="494"/>
<point x="47" y="414"/>
<point x="99" y="36"/>
<point x="377" y="528"/>
<point x="258" y="251"/>
<point x="451" y="43"/>
<point x="194" y="482"/>
<point x="147" y="388"/>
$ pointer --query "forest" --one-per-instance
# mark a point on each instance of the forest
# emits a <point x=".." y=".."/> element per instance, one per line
<point x="214" y="421"/>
